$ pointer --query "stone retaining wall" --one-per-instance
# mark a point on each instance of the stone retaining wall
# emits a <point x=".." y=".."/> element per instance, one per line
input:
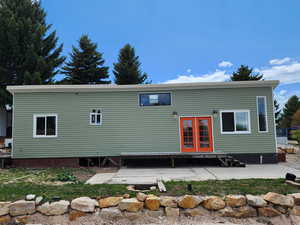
<point x="236" y="206"/>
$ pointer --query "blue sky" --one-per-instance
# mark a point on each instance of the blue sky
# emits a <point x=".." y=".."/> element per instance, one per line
<point x="189" y="41"/>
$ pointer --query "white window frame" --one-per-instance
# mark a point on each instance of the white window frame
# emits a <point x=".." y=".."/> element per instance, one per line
<point x="266" y="113"/>
<point x="35" y="116"/>
<point x="235" y="132"/>
<point x="96" y="113"/>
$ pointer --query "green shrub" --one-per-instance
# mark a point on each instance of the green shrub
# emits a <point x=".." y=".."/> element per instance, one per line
<point x="66" y="177"/>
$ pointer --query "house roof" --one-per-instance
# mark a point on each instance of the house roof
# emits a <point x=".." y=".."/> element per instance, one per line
<point x="139" y="87"/>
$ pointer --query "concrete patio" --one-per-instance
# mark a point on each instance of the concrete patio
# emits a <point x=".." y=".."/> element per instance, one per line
<point x="151" y="175"/>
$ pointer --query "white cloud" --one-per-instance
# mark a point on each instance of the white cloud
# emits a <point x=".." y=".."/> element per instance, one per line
<point x="225" y="64"/>
<point x="282" y="92"/>
<point x="218" y="75"/>
<point x="286" y="74"/>
<point x="189" y="70"/>
<point x="279" y="61"/>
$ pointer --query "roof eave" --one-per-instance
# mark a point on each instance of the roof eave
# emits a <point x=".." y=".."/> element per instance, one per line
<point x="146" y="87"/>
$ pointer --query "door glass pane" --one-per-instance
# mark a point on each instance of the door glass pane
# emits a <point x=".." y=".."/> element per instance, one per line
<point x="203" y="133"/>
<point x="242" y="123"/>
<point x="40" y="126"/>
<point x="51" y="125"/>
<point x="188" y="141"/>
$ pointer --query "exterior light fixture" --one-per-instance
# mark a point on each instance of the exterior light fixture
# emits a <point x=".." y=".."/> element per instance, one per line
<point x="175" y="114"/>
<point x="215" y="113"/>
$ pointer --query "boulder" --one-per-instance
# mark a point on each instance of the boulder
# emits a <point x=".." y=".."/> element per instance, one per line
<point x="38" y="200"/>
<point x="295" y="210"/>
<point x="111" y="213"/>
<point x="167" y="201"/>
<point x="296" y="197"/>
<point x="5" y="219"/>
<point x="281" y="209"/>
<point x="22" y="220"/>
<point x="278" y="199"/>
<point x="268" y="212"/>
<point x="126" y="196"/>
<point x="213" y="203"/>
<point x="73" y="215"/>
<point x="133" y="215"/>
<point x="30" y="197"/>
<point x="109" y="202"/>
<point x="155" y="214"/>
<point x="241" y="212"/>
<point x="4" y="208"/>
<point x="256" y="201"/>
<point x="84" y="204"/>
<point x="141" y="196"/>
<point x="199" y="211"/>
<point x="235" y="200"/>
<point x="152" y="203"/>
<point x="131" y="205"/>
<point x="189" y="201"/>
<point x="22" y="207"/>
<point x="54" y="208"/>
<point x="172" y="212"/>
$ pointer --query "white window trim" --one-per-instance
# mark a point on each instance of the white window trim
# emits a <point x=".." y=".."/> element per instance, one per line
<point x="235" y="132"/>
<point x="35" y="116"/>
<point x="95" y="113"/>
<point x="161" y="92"/>
<point x="266" y="113"/>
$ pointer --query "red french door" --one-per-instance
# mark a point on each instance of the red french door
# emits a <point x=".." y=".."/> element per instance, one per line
<point x="196" y="134"/>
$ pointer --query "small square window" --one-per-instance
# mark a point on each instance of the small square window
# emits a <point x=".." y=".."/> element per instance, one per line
<point x="96" y="117"/>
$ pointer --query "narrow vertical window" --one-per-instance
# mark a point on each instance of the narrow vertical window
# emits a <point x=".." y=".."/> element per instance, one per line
<point x="262" y="114"/>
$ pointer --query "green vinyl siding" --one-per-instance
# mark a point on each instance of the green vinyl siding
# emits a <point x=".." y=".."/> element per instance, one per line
<point x="128" y="127"/>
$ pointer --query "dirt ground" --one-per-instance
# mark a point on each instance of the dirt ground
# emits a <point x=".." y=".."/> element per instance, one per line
<point x="211" y="220"/>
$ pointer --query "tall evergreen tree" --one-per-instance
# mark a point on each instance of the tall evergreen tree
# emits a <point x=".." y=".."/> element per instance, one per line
<point x="245" y="73"/>
<point x="290" y="108"/>
<point x="277" y="113"/>
<point x="86" y="64"/>
<point x="28" y="50"/>
<point x="127" y="69"/>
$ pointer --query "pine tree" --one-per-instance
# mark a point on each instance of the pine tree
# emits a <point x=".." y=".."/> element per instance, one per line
<point x="277" y="113"/>
<point x="296" y="118"/>
<point x="28" y="50"/>
<point x="86" y="64"/>
<point x="290" y="108"/>
<point x="244" y="73"/>
<point x="127" y="69"/>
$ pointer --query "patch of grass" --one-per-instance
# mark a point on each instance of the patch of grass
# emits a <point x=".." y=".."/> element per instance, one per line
<point x="223" y="187"/>
<point x="39" y="176"/>
<point x="12" y="192"/>
<point x="16" y="191"/>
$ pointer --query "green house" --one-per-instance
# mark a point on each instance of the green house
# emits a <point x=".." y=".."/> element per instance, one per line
<point x="60" y="124"/>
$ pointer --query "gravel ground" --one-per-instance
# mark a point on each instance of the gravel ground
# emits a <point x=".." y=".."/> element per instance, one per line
<point x="204" y="220"/>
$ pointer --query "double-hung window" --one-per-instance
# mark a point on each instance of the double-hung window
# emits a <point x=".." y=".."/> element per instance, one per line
<point x="154" y="99"/>
<point x="261" y="102"/>
<point x="235" y="122"/>
<point x="96" y="117"/>
<point x="45" y="125"/>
